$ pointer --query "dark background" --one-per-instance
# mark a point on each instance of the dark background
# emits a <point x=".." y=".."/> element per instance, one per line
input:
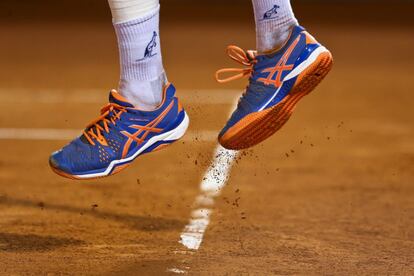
<point x="347" y="12"/>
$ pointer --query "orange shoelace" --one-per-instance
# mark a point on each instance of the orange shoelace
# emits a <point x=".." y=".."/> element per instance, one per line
<point x="239" y="55"/>
<point x="94" y="130"/>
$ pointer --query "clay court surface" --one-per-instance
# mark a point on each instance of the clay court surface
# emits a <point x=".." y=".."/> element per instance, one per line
<point x="332" y="193"/>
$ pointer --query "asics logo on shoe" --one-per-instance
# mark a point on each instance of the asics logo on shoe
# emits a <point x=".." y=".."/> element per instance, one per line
<point x="138" y="120"/>
<point x="144" y="130"/>
<point x="272" y="13"/>
<point x="150" y="47"/>
<point x="274" y="76"/>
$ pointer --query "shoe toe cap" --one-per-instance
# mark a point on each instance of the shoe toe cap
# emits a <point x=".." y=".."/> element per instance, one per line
<point x="221" y="133"/>
<point x="56" y="161"/>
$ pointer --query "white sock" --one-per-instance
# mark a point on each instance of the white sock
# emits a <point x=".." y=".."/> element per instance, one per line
<point x="126" y="10"/>
<point x="136" y="24"/>
<point x="274" y="21"/>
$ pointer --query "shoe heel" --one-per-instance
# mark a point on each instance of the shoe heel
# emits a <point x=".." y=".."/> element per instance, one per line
<point x="314" y="74"/>
<point x="180" y="130"/>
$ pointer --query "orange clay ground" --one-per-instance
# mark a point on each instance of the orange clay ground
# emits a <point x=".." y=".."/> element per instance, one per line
<point x="331" y="193"/>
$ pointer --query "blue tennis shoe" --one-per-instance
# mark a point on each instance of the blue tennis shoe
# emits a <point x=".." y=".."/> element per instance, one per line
<point x="277" y="81"/>
<point x="119" y="135"/>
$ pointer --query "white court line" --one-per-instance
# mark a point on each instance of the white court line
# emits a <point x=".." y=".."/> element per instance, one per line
<point x="51" y="134"/>
<point x="99" y="96"/>
<point x="95" y="96"/>
<point x="213" y="181"/>
<point x="176" y="270"/>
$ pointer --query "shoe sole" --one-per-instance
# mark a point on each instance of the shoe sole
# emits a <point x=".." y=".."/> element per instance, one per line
<point x="259" y="126"/>
<point x="116" y="166"/>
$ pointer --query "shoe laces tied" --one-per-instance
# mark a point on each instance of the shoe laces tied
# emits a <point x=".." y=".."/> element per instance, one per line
<point x="246" y="58"/>
<point x="110" y="113"/>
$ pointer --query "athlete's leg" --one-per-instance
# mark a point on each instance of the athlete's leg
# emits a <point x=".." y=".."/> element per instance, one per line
<point x="145" y="116"/>
<point x="142" y="79"/>
<point x="274" y="22"/>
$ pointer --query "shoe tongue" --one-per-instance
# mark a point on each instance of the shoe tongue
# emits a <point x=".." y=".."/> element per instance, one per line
<point x="115" y="97"/>
<point x="251" y="54"/>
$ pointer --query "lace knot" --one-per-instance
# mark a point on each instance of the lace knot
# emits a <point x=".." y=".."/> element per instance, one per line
<point x="246" y="58"/>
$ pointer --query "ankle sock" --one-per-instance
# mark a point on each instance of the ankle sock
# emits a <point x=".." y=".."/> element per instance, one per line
<point x="274" y="22"/>
<point x="142" y="74"/>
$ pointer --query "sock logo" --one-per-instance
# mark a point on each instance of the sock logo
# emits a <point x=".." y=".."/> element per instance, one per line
<point x="272" y="13"/>
<point x="150" y="47"/>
